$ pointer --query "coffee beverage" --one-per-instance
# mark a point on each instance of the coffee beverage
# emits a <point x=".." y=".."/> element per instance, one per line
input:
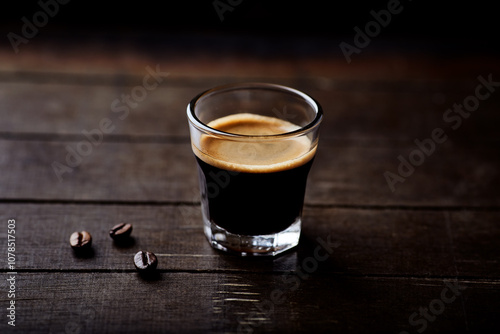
<point x="145" y="261"/>
<point x="80" y="240"/>
<point x="254" y="145"/>
<point x="254" y="186"/>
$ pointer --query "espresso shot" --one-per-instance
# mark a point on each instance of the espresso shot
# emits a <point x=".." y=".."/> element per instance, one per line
<point x="253" y="164"/>
<point x="265" y="193"/>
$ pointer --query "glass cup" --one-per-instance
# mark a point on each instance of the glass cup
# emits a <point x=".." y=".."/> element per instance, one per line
<point x="254" y="144"/>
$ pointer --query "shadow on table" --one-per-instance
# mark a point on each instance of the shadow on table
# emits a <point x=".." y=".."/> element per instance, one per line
<point x="313" y="255"/>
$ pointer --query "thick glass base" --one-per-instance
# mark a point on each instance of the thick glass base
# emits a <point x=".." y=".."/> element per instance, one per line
<point x="253" y="245"/>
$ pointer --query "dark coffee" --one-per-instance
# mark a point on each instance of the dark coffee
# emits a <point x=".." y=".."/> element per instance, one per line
<point x="253" y="203"/>
<point x="253" y="188"/>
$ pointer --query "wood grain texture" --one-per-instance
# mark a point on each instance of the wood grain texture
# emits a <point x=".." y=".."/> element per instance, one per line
<point x="213" y="303"/>
<point x="369" y="259"/>
<point x="184" y="55"/>
<point x="360" y="242"/>
<point x="387" y="112"/>
<point x="166" y="172"/>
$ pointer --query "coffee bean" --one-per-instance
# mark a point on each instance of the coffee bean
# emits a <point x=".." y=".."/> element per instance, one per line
<point x="145" y="261"/>
<point x="80" y="240"/>
<point x="120" y="232"/>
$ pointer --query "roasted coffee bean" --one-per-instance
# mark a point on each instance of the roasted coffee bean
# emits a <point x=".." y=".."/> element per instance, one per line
<point x="80" y="240"/>
<point x="145" y="261"/>
<point x="120" y="232"/>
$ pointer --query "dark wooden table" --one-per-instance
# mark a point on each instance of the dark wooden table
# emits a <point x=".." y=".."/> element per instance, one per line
<point x="418" y="253"/>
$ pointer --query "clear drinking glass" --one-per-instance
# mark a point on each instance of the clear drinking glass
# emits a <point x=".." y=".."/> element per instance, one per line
<point x="254" y="144"/>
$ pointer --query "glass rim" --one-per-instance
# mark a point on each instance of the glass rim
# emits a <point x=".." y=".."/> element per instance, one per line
<point x="195" y="121"/>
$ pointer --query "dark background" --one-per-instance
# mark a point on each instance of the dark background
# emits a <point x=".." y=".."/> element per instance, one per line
<point x="451" y="26"/>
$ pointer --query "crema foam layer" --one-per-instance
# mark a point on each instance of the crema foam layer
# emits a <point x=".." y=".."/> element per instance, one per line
<point x="254" y="156"/>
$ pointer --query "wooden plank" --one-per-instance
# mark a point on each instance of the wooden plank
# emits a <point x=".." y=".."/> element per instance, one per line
<point x="141" y="169"/>
<point x="360" y="242"/>
<point x="184" y="55"/>
<point x="207" y="303"/>
<point x="70" y="109"/>
<point x="371" y="113"/>
<point x="448" y="177"/>
<point x="346" y="175"/>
